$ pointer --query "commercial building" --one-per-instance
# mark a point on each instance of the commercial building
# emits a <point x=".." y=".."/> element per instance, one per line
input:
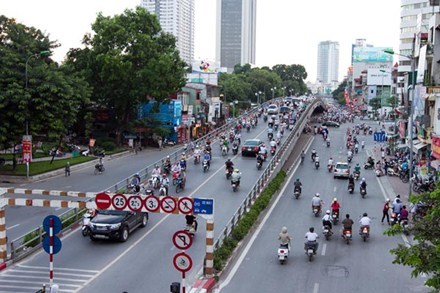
<point x="236" y="32"/>
<point x="177" y="18"/>
<point x="328" y="62"/>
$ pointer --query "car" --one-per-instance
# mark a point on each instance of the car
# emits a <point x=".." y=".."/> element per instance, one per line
<point x="251" y="147"/>
<point x="284" y="109"/>
<point x="342" y="169"/>
<point x="331" y="124"/>
<point x="111" y="224"/>
<point x="272" y="109"/>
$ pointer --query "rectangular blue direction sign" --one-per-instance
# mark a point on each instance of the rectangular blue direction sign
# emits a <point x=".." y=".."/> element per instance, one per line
<point x="204" y="206"/>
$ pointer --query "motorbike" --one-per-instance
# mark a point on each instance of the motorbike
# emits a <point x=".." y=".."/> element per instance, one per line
<point x="297" y="192"/>
<point x="356" y="175"/>
<point x="228" y="173"/>
<point x="378" y="172"/>
<point x="327" y="232"/>
<point x="335" y="218"/>
<point x="283" y="253"/>
<point x="404" y="176"/>
<point x="156" y="182"/>
<point x="368" y="166"/>
<point x="316" y="165"/>
<point x="272" y="150"/>
<point x="329" y="168"/>
<point x="370" y="132"/>
<point x="290" y="127"/>
<point x="328" y="144"/>
<point x="365" y="233"/>
<point x="175" y="176"/>
<point x="259" y="164"/>
<point x="196" y="159"/>
<point x="363" y="192"/>
<point x="191" y="229"/>
<point x="131" y="188"/>
<point x="167" y="169"/>
<point x="234" y="185"/>
<point x="421" y="186"/>
<point x="85" y="229"/>
<point x="356" y="150"/>
<point x="351" y="188"/>
<point x="182" y="164"/>
<point x="270" y="135"/>
<point x="394" y="219"/>
<point x="349" y="158"/>
<point x="248" y="128"/>
<point x="235" y="149"/>
<point x="99" y="169"/>
<point x="278" y="141"/>
<point x="224" y="150"/>
<point x="265" y="118"/>
<point x="162" y="190"/>
<point x="346" y="235"/>
<point x="180" y="184"/>
<point x="310" y="248"/>
<point x="205" y="166"/>
<point x="316" y="211"/>
<point x="313" y="157"/>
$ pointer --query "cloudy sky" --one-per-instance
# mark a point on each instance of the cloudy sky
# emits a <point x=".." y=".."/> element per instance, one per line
<point x="288" y="31"/>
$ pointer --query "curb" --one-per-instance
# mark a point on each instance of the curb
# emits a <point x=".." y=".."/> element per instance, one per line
<point x="204" y="286"/>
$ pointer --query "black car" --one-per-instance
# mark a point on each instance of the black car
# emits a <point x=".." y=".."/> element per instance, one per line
<point x="116" y="224"/>
<point x="331" y="124"/>
<point x="251" y="147"/>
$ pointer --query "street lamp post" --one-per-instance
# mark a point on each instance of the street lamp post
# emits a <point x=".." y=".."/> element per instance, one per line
<point x="410" y="110"/>
<point x="36" y="55"/>
<point x="273" y="92"/>
<point x="233" y="103"/>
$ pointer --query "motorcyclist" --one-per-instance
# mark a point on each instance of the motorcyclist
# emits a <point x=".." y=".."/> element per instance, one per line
<point x="183" y="161"/>
<point x="167" y="165"/>
<point x="365" y="221"/>
<point x="273" y="144"/>
<point x="191" y="220"/>
<point x="351" y="181"/>
<point x="297" y="185"/>
<point x="363" y="185"/>
<point x="136" y="180"/>
<point x="238" y="137"/>
<point x="207" y="157"/>
<point x="330" y="162"/>
<point x="156" y="172"/>
<point x="260" y="158"/>
<point x="335" y="207"/>
<point x="316" y="202"/>
<point x="263" y="151"/>
<point x="311" y="238"/>
<point x="363" y="144"/>
<point x="357" y="169"/>
<point x="197" y="153"/>
<point x="347" y="223"/>
<point x="370" y="161"/>
<point x="349" y="154"/>
<point x="165" y="182"/>
<point x="326" y="220"/>
<point x="229" y="166"/>
<point x="403" y="214"/>
<point x="314" y="154"/>
<point x="284" y="238"/>
<point x="235" y="177"/>
<point x="302" y="156"/>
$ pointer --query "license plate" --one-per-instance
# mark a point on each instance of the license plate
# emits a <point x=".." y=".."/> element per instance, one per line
<point x="325" y="231"/>
<point x="365" y="230"/>
<point x="100" y="228"/>
<point x="310" y="251"/>
<point x="249" y="149"/>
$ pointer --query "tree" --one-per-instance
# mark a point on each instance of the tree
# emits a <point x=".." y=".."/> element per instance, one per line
<point x="375" y="103"/>
<point x="51" y="103"/>
<point x="128" y="61"/>
<point x="293" y="77"/>
<point x="423" y="256"/>
<point x="234" y="86"/>
<point x="263" y="80"/>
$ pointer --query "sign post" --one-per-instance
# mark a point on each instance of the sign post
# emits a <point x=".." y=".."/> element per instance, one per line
<point x="51" y="244"/>
<point x="26" y="150"/>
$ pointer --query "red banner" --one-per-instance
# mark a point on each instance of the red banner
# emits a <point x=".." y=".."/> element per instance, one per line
<point x="435" y="147"/>
<point x="26" y="150"/>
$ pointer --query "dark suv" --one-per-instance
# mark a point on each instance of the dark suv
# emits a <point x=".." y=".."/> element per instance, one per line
<point x="116" y="224"/>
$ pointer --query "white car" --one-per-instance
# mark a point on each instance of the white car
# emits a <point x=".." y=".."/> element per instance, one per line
<point x="272" y="109"/>
<point x="342" y="169"/>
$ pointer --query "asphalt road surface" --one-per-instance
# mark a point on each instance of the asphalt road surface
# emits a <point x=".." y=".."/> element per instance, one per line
<point x="337" y="267"/>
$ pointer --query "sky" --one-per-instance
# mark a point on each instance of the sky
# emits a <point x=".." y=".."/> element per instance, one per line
<point x="288" y="31"/>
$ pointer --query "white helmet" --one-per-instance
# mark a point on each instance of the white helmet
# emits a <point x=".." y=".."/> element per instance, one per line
<point x="317" y="194"/>
<point x="363" y="179"/>
<point x="327" y="212"/>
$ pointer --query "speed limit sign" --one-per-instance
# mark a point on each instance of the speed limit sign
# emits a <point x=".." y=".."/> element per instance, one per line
<point x="119" y="201"/>
<point x="135" y="203"/>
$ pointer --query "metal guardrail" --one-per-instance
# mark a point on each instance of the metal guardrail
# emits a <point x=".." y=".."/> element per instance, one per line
<point x="271" y="168"/>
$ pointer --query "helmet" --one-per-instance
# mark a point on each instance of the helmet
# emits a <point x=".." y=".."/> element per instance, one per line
<point x="164" y="175"/>
<point x="236" y="170"/>
<point x="228" y="160"/>
<point x="335" y="199"/>
<point x="284" y="230"/>
<point x="317" y="194"/>
<point x="297" y="179"/>
<point x="363" y="179"/>
<point x="357" y="164"/>
<point x="168" y="157"/>
<point x="327" y="212"/>
<point x="365" y="215"/>
<point x="137" y="174"/>
<point x="331" y="158"/>
<point x="388" y="200"/>
<point x="311" y="229"/>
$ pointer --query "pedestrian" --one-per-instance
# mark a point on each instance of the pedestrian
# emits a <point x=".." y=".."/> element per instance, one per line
<point x="67" y="169"/>
<point x="386" y="208"/>
<point x="385" y="166"/>
<point x="159" y="142"/>
<point x="383" y="154"/>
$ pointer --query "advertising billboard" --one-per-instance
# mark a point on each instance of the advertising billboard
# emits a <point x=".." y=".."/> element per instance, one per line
<point x="379" y="77"/>
<point x="371" y="54"/>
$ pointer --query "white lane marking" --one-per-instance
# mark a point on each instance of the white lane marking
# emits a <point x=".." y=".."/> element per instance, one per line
<point x="316" y="288"/>
<point x="39" y="277"/>
<point x="58" y="268"/>
<point x="324" y="248"/>
<point x="334" y="189"/>
<point x="255" y="235"/>
<point x="57" y="209"/>
<point x="12" y="227"/>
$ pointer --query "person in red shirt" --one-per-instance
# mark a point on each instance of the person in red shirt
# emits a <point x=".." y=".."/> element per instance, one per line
<point x="335" y="207"/>
<point x="385" y="213"/>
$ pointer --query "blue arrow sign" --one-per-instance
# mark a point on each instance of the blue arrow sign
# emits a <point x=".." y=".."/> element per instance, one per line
<point x="56" y="244"/>
<point x="204" y="206"/>
<point x="380" y="136"/>
<point x="56" y="224"/>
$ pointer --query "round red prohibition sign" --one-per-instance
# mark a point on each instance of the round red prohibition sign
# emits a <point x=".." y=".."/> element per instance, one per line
<point x="182" y="240"/>
<point x="135" y="203"/>
<point x="185" y="205"/>
<point x="151" y="203"/>
<point x="168" y="204"/>
<point x="103" y="201"/>
<point x="182" y="262"/>
<point x="119" y="201"/>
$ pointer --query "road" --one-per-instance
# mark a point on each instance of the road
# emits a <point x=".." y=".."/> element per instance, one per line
<point x="337" y="267"/>
<point x="144" y="262"/>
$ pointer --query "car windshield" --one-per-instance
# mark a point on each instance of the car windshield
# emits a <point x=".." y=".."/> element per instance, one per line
<point x="341" y="166"/>
<point x="272" y="107"/>
<point x="110" y="212"/>
<point x="251" y="142"/>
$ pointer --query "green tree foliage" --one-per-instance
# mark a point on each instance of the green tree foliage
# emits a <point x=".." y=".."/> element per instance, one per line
<point x="52" y="101"/>
<point x="263" y="80"/>
<point x="128" y="60"/>
<point x="235" y="87"/>
<point x="375" y="103"/>
<point x="293" y="77"/>
<point x="423" y="256"/>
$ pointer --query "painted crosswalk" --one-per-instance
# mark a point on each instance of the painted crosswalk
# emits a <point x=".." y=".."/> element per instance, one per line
<point x="23" y="278"/>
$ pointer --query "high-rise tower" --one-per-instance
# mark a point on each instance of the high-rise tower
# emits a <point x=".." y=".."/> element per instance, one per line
<point x="177" y="18"/>
<point x="236" y="32"/>
<point x="328" y="62"/>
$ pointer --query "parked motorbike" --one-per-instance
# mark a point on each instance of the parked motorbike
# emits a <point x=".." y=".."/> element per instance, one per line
<point x="205" y="166"/>
<point x="365" y="233"/>
<point x="346" y="235"/>
<point x="283" y="253"/>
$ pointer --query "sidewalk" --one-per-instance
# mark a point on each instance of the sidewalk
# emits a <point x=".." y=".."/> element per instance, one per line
<point x="392" y="184"/>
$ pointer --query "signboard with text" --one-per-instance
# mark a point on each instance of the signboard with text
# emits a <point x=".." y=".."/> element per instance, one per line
<point x="27" y="148"/>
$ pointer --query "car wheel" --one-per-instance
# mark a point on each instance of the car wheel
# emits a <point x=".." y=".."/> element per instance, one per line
<point x="144" y="220"/>
<point x="124" y="234"/>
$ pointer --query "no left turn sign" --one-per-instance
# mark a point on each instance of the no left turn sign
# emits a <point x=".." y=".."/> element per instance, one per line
<point x="119" y="201"/>
<point x="182" y="240"/>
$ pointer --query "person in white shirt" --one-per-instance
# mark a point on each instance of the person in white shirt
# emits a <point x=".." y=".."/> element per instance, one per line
<point x="311" y="238"/>
<point x="279" y="135"/>
<point x="349" y="154"/>
<point x="156" y="172"/>
<point x="365" y="221"/>
<point x="330" y="162"/>
<point x="165" y="182"/>
<point x="263" y="150"/>
<point x="273" y="143"/>
<point x="326" y="220"/>
<point x="316" y="159"/>
<point x="197" y="153"/>
<point x="317" y="201"/>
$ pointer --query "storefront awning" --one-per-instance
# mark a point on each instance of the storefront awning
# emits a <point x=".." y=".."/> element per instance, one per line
<point x="419" y="146"/>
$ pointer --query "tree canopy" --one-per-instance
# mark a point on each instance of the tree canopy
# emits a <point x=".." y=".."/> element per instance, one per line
<point x="51" y="102"/>
<point x="128" y="61"/>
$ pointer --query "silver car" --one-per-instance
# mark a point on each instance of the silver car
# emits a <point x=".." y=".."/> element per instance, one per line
<point x="342" y="169"/>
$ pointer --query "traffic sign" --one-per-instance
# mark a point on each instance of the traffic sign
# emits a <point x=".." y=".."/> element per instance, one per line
<point x="380" y="136"/>
<point x="151" y="203"/>
<point x="182" y="262"/>
<point x="168" y="204"/>
<point x="119" y="201"/>
<point x="135" y="203"/>
<point x="56" y="224"/>
<point x="185" y="205"/>
<point x="103" y="201"/>
<point x="203" y="206"/>
<point x="182" y="240"/>
<point x="56" y="244"/>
